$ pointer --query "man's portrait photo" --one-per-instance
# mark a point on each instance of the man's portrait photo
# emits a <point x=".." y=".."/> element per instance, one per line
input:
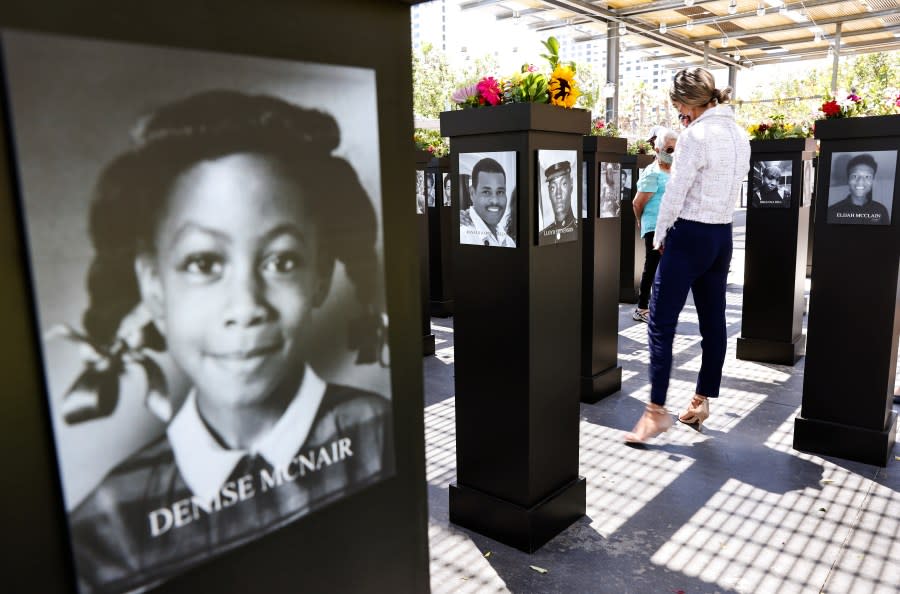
<point x="771" y="184"/>
<point x="584" y="190"/>
<point x="626" y="183"/>
<point x="447" y="183"/>
<point x="861" y="191"/>
<point x="557" y="179"/>
<point x="420" y="191"/>
<point x="489" y="218"/>
<point x="213" y="321"/>
<point x="429" y="188"/>
<point x="610" y="193"/>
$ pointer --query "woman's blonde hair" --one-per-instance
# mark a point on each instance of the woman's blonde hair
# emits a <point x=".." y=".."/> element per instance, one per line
<point x="696" y="87"/>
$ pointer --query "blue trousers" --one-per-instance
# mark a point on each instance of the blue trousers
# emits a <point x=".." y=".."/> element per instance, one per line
<point x="696" y="258"/>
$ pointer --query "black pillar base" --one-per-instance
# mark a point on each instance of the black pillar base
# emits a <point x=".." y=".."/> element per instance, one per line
<point x="845" y="441"/>
<point x="428" y="344"/>
<point x="596" y="388"/>
<point x="442" y="309"/>
<point x="770" y="351"/>
<point x="526" y="529"/>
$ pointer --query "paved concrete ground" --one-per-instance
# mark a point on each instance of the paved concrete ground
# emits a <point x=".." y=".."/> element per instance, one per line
<point x="732" y="509"/>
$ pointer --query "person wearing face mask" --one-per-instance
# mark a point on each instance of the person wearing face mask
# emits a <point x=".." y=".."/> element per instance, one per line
<point x="693" y="231"/>
<point x="651" y="186"/>
<point x="858" y="208"/>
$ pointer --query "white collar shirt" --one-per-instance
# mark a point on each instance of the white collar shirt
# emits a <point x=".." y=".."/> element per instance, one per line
<point x="205" y="464"/>
<point x="711" y="161"/>
<point x="480" y="234"/>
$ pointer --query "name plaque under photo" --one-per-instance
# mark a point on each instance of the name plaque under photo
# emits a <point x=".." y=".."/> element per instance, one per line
<point x="849" y="375"/>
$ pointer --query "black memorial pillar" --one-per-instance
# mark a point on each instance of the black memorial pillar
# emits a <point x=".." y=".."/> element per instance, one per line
<point x="778" y="197"/>
<point x="364" y="524"/>
<point x="517" y="323"/>
<point x="812" y="214"/>
<point x="440" y="228"/>
<point x="425" y="193"/>
<point x="600" y="372"/>
<point x="632" y="251"/>
<point x="851" y="350"/>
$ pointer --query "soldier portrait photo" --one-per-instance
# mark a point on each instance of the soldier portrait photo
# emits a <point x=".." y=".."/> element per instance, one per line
<point x="557" y="179"/>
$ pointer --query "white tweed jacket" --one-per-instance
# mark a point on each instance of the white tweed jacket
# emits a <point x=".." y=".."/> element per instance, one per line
<point x="711" y="160"/>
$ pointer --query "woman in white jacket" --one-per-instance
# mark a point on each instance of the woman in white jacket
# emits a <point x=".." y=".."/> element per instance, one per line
<point x="693" y="230"/>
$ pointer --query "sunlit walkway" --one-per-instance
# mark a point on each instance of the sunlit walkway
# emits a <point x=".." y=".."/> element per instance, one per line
<point x="732" y="509"/>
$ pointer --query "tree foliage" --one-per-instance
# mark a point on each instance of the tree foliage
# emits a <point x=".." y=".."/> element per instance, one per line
<point x="433" y="81"/>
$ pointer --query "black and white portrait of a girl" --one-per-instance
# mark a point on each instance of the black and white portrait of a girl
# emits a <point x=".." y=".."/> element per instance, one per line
<point x="213" y="321"/>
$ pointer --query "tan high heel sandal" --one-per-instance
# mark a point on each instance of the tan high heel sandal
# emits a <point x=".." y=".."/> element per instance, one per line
<point x="655" y="420"/>
<point x="696" y="413"/>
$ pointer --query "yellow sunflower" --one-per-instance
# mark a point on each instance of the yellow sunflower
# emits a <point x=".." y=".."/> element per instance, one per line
<point x="563" y="89"/>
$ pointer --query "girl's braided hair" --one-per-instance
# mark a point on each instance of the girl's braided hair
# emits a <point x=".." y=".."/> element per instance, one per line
<point x="130" y="197"/>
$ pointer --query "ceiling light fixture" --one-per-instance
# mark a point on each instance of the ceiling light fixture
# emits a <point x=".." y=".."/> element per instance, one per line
<point x="783" y="10"/>
<point x="732" y="7"/>
<point x="689" y="24"/>
<point x="760" y="9"/>
<point x="663" y="28"/>
<point x="623" y="30"/>
<point x="831" y="52"/>
<point x="725" y="41"/>
<point x="688" y="2"/>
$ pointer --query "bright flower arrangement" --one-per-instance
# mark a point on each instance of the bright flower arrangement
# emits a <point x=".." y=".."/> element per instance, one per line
<point x="526" y="86"/>
<point x="599" y="127"/>
<point x="640" y="147"/>
<point x="848" y="105"/>
<point x="431" y="141"/>
<point x="776" y="129"/>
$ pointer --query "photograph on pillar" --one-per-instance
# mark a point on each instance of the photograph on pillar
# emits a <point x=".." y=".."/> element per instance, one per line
<point x="809" y="180"/>
<point x="447" y="181"/>
<point x="557" y="185"/>
<point x="584" y="189"/>
<point x="487" y="207"/>
<point x="213" y="322"/>
<point x="429" y="188"/>
<point x="770" y="184"/>
<point x="420" y="191"/>
<point x="861" y="191"/>
<point x="610" y="179"/>
<point x="626" y="184"/>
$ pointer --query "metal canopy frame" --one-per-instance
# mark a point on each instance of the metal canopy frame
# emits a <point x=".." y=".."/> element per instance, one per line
<point x="721" y="33"/>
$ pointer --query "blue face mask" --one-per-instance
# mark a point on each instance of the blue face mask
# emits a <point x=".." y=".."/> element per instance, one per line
<point x="665" y="157"/>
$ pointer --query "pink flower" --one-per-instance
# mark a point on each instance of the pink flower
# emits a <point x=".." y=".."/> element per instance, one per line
<point x="854" y="98"/>
<point x="489" y="89"/>
<point x="463" y="94"/>
<point x="531" y="68"/>
<point x="897" y="101"/>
